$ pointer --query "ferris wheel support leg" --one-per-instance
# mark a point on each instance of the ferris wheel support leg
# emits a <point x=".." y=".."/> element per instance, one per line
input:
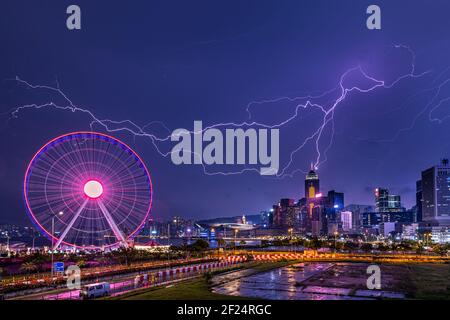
<point x="112" y="224"/>
<point x="70" y="225"/>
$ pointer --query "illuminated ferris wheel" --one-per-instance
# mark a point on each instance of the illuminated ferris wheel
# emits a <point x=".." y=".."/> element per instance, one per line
<point x="88" y="190"/>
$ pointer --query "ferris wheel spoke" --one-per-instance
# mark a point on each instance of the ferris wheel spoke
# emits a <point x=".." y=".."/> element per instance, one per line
<point x="111" y="223"/>
<point x="70" y="225"/>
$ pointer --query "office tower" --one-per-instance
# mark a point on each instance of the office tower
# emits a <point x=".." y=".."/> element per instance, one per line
<point x="406" y="216"/>
<point x="311" y="184"/>
<point x="286" y="213"/>
<point x="410" y="231"/>
<point x="318" y="217"/>
<point x="440" y="235"/>
<point x="385" y="202"/>
<point x="436" y="194"/>
<point x="276" y="215"/>
<point x="267" y="218"/>
<point x="335" y="204"/>
<point x="371" y="219"/>
<point x="418" y="215"/>
<point x="358" y="211"/>
<point x="346" y="219"/>
<point x="387" y="228"/>
<point x="336" y="200"/>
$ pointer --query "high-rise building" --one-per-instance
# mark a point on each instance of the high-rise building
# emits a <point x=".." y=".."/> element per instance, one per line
<point x="335" y="204"/>
<point x="276" y="209"/>
<point x="371" y="219"/>
<point x="319" y="222"/>
<point x="436" y="194"/>
<point x="440" y="235"/>
<point x="312" y="185"/>
<point x="336" y="200"/>
<point x="385" y="202"/>
<point x="267" y="218"/>
<point x="358" y="211"/>
<point x="406" y="216"/>
<point x="410" y="231"/>
<point x="419" y="200"/>
<point x="286" y="214"/>
<point x="346" y="218"/>
<point x="386" y="228"/>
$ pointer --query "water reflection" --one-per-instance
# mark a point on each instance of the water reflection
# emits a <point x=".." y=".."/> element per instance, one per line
<point x="287" y="283"/>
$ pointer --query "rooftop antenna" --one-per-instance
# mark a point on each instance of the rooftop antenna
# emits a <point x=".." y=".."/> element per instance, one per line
<point x="444" y="162"/>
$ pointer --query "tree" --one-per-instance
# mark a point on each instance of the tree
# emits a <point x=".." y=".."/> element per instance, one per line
<point x="221" y="242"/>
<point x="419" y="248"/>
<point x="38" y="259"/>
<point x="440" y="250"/>
<point x="315" y="243"/>
<point x="28" y="267"/>
<point x="81" y="263"/>
<point x="125" y="255"/>
<point x="199" y="245"/>
<point x="102" y="260"/>
<point x="366" y="247"/>
<point x="383" y="247"/>
<point x="350" y="245"/>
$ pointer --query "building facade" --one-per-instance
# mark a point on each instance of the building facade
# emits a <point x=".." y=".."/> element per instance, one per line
<point x="436" y="194"/>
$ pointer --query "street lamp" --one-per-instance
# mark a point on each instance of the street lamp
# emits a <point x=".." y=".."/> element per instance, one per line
<point x="53" y="236"/>
<point x="168" y="244"/>
<point x="235" y="235"/>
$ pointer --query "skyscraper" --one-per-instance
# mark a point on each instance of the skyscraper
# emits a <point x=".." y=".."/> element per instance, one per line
<point x="346" y="219"/>
<point x="311" y="184"/>
<point x="418" y="215"/>
<point x="286" y="213"/>
<point x="385" y="202"/>
<point x="358" y="211"/>
<point x="335" y="204"/>
<point x="436" y="194"/>
<point x="336" y="200"/>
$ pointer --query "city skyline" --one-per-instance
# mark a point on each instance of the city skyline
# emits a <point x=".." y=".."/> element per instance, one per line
<point x="372" y="202"/>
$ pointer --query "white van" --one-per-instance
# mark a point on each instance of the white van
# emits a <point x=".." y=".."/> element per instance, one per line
<point x="95" y="290"/>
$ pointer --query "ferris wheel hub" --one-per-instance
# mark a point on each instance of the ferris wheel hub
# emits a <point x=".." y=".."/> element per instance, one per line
<point x="93" y="189"/>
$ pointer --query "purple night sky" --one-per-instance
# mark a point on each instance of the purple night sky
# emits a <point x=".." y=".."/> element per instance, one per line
<point x="180" y="61"/>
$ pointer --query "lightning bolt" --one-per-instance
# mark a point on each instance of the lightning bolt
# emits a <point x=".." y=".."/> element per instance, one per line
<point x="327" y="111"/>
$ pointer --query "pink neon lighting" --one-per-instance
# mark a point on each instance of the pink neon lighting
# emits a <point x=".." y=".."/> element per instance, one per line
<point x="93" y="189"/>
<point x="29" y="167"/>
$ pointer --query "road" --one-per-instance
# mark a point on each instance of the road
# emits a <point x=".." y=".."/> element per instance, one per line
<point x="127" y="283"/>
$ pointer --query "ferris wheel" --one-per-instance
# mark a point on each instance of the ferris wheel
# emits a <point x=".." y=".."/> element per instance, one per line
<point x="88" y="190"/>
